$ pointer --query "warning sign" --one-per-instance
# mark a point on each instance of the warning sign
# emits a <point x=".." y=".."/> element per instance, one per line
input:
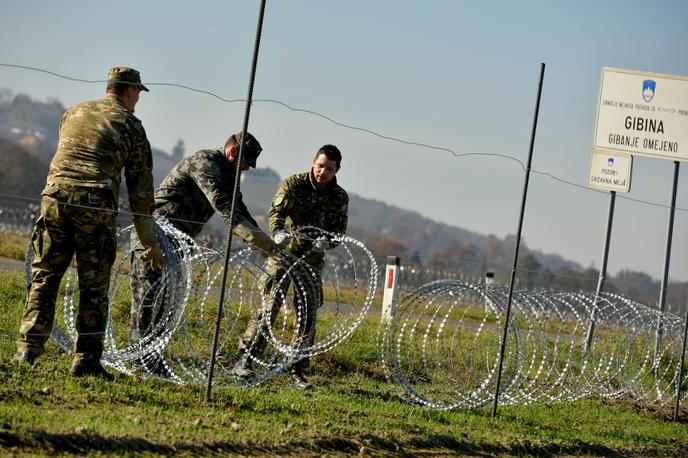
<point x="610" y="171"/>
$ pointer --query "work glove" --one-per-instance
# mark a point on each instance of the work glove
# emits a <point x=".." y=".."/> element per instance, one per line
<point x="282" y="239"/>
<point x="263" y="242"/>
<point x="151" y="247"/>
<point x="254" y="236"/>
<point x="321" y="244"/>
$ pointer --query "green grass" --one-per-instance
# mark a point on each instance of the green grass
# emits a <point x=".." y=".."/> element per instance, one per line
<point x="351" y="410"/>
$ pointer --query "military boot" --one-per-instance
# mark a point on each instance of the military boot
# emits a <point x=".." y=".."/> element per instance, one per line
<point x="159" y="369"/>
<point x="81" y="369"/>
<point x="242" y="370"/>
<point x="299" y="380"/>
<point x="24" y="358"/>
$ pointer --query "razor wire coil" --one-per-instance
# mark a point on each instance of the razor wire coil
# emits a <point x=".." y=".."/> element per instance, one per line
<point x="177" y="344"/>
<point x="440" y="349"/>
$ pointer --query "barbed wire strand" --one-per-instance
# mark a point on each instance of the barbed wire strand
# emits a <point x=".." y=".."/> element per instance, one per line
<point x="122" y="211"/>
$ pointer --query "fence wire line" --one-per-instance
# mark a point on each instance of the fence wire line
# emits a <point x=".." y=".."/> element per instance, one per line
<point x="119" y="211"/>
<point x="352" y="127"/>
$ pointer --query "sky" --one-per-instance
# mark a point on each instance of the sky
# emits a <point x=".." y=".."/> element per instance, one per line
<point x="457" y="75"/>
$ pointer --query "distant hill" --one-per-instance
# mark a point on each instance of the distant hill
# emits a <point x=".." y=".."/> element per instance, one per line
<point x="28" y="138"/>
<point x="29" y="123"/>
<point x="22" y="171"/>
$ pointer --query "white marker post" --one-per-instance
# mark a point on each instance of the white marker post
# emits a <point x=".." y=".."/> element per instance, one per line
<point x="489" y="281"/>
<point x="389" y="296"/>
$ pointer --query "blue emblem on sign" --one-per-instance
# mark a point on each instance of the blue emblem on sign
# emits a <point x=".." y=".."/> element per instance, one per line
<point x="610" y="161"/>
<point x="648" y="90"/>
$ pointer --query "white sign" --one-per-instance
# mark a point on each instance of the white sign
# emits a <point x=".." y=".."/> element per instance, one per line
<point x="389" y="296"/>
<point x="643" y="113"/>
<point x="610" y="171"/>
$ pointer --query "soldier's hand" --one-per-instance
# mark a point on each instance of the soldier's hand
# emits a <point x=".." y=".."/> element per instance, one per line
<point x="321" y="244"/>
<point x="154" y="254"/>
<point x="282" y="239"/>
<point x="266" y="246"/>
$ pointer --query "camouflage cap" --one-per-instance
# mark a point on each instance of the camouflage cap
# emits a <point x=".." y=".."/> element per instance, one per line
<point x="252" y="148"/>
<point x="126" y="75"/>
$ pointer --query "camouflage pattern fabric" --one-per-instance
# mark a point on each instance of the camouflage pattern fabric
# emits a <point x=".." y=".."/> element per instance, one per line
<point x="298" y="203"/>
<point x="199" y="186"/>
<point x="126" y="75"/>
<point x="97" y="140"/>
<point x="253" y="340"/>
<point x="146" y="286"/>
<point x="73" y="220"/>
<point x="192" y="192"/>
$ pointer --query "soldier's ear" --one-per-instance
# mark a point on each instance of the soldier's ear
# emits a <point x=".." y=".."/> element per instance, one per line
<point x="232" y="151"/>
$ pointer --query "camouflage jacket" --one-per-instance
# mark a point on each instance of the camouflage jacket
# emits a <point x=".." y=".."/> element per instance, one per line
<point x="98" y="139"/>
<point x="200" y="185"/>
<point x="299" y="203"/>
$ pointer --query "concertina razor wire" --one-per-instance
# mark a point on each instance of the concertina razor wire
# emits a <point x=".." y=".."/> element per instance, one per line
<point x="441" y="348"/>
<point x="177" y="345"/>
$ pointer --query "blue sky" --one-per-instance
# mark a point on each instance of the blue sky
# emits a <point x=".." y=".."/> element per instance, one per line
<point x="460" y="75"/>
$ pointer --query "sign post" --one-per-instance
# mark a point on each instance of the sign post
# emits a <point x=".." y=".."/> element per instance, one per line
<point x="667" y="258"/>
<point x="610" y="172"/>
<point x="603" y="272"/>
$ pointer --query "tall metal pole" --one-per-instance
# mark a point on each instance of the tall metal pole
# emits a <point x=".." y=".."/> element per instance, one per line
<point x="603" y="271"/>
<point x="679" y="380"/>
<point x="239" y="162"/>
<point x="667" y="258"/>
<point x="518" y="241"/>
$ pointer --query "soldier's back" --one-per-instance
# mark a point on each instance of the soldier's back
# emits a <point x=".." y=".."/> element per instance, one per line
<point x="96" y="138"/>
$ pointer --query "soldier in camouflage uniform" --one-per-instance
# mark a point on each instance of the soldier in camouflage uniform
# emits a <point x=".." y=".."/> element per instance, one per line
<point x="197" y="187"/>
<point x="311" y="198"/>
<point x="78" y="207"/>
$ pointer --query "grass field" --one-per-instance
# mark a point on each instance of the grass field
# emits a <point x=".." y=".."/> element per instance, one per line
<point x="350" y="411"/>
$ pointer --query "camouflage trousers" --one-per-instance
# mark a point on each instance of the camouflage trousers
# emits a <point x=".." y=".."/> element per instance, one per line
<point x="148" y="294"/>
<point x="73" y="221"/>
<point x="276" y="286"/>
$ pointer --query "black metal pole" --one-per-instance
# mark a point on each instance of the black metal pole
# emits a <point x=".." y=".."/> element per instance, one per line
<point x="603" y="270"/>
<point x="680" y="367"/>
<point x="518" y="241"/>
<point x="239" y="162"/>
<point x="667" y="259"/>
